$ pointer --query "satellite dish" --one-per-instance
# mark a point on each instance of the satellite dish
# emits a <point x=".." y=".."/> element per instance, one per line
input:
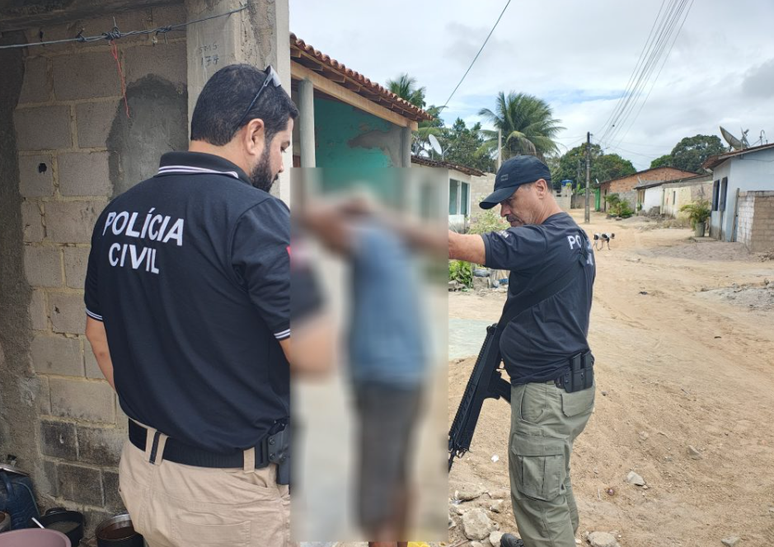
<point x="435" y="145"/>
<point x="735" y="143"/>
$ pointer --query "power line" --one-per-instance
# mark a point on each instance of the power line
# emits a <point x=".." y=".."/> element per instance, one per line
<point x="115" y="34"/>
<point x="655" y="53"/>
<point x="663" y="63"/>
<point x="666" y="31"/>
<point x="477" y="54"/>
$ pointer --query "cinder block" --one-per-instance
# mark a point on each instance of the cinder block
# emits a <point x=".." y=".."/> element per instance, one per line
<point x="67" y="313"/>
<point x="36" y="87"/>
<point x="85" y="76"/>
<point x="113" y="500"/>
<point x="167" y="61"/>
<point x="72" y="221"/>
<point x="90" y="362"/>
<point x="43" y="128"/>
<point x="49" y="481"/>
<point x="56" y="355"/>
<point x="100" y="446"/>
<point x="82" y="400"/>
<point x="94" y="121"/>
<point x="37" y="310"/>
<point x="32" y="222"/>
<point x="84" y="174"/>
<point x="75" y="261"/>
<point x="44" y="396"/>
<point x="36" y="176"/>
<point x="58" y="440"/>
<point x="122" y="420"/>
<point x="43" y="266"/>
<point x="80" y="484"/>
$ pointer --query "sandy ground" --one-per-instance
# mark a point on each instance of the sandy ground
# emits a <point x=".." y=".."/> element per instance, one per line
<point x="683" y="333"/>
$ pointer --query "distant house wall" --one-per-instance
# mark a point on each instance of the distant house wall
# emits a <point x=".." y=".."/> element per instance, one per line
<point x="653" y="198"/>
<point x="746" y="172"/>
<point x="679" y="194"/>
<point x="624" y="186"/>
<point x="480" y="187"/>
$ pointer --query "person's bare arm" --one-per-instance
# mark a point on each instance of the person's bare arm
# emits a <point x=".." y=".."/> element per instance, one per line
<point x="312" y="348"/>
<point x="467" y="247"/>
<point x="95" y="333"/>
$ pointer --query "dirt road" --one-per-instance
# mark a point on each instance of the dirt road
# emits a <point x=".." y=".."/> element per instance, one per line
<point x="683" y="334"/>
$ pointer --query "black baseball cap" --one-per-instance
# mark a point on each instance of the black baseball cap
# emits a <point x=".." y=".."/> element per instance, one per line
<point x="512" y="174"/>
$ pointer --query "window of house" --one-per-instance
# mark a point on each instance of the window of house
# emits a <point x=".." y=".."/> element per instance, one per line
<point x="723" y="192"/>
<point x="674" y="197"/>
<point x="453" y="197"/>
<point x="715" y="195"/>
<point x="459" y="197"/>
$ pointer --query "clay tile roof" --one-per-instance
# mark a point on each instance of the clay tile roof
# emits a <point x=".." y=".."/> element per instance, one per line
<point x="308" y="56"/>
<point x="446" y="165"/>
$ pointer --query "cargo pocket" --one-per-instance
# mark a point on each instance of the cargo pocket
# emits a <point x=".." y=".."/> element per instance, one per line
<point x="537" y="466"/>
<point x="236" y="534"/>
<point x="579" y="402"/>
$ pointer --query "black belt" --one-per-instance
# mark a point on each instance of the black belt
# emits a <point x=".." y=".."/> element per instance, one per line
<point x="178" y="452"/>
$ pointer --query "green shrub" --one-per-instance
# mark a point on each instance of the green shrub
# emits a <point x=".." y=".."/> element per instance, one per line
<point x="461" y="271"/>
<point x="618" y="207"/>
<point x="698" y="212"/>
<point x="489" y="221"/>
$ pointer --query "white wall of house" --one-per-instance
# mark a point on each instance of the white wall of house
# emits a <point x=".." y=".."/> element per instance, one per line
<point x="747" y="172"/>
<point x="653" y="198"/>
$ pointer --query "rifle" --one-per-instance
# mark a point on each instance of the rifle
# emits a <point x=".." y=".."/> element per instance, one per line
<point x="485" y="382"/>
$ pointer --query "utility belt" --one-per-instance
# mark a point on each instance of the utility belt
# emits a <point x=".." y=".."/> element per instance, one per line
<point x="158" y="447"/>
<point x="580" y="376"/>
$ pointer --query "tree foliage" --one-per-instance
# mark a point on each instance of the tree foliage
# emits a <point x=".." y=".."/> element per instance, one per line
<point x="690" y="153"/>
<point x="463" y="146"/>
<point x="527" y="124"/>
<point x="405" y="87"/>
<point x="572" y="166"/>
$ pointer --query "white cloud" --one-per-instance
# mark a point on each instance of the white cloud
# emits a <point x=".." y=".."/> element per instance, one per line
<point x="573" y="54"/>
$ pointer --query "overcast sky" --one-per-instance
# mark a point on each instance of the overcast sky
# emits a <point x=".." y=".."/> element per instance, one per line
<point x="576" y="55"/>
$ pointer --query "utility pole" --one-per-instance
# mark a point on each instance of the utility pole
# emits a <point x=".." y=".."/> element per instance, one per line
<point x="499" y="148"/>
<point x="587" y="216"/>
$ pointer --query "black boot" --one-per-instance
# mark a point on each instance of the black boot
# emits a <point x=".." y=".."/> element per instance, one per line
<point x="509" y="540"/>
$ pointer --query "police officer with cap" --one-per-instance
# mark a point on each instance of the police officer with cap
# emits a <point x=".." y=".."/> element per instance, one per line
<point x="188" y="304"/>
<point x="544" y="344"/>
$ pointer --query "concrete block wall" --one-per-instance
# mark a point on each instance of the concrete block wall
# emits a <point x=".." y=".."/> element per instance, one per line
<point x="68" y="124"/>
<point x="744" y="219"/>
<point x="761" y="236"/>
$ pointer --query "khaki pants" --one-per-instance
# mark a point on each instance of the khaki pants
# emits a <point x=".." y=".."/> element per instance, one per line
<point x="545" y="420"/>
<point x="174" y="505"/>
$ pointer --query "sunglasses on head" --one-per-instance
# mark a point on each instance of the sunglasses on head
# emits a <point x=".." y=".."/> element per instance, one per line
<point x="271" y="78"/>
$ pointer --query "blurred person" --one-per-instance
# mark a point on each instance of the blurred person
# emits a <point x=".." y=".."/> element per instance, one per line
<point x="188" y="305"/>
<point x="388" y="357"/>
<point x="544" y="348"/>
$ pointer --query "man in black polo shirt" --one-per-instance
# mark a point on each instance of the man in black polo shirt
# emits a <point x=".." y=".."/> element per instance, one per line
<point x="188" y="304"/>
<point x="544" y="347"/>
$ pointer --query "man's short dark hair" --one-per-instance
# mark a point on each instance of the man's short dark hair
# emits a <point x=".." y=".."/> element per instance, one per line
<point x="225" y="98"/>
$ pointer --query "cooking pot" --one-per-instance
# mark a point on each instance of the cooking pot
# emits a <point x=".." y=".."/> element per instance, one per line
<point x="118" y="531"/>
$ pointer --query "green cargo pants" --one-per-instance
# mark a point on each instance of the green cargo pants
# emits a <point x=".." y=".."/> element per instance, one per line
<point x="545" y="420"/>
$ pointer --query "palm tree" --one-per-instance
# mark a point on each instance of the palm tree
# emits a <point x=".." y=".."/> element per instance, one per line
<point x="406" y="88"/>
<point x="527" y="124"/>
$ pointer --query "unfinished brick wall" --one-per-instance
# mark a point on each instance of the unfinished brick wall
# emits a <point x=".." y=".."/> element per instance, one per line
<point x="755" y="220"/>
<point x="77" y="149"/>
